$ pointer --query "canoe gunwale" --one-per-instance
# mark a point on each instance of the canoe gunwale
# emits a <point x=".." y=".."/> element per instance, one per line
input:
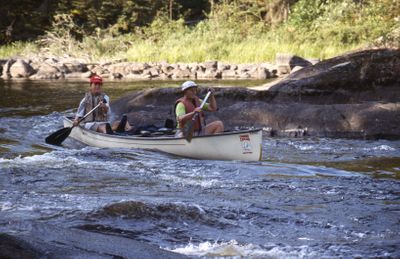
<point x="162" y="137"/>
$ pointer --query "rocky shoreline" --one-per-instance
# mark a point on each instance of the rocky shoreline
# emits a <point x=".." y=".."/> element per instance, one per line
<point x="39" y="68"/>
<point x="356" y="95"/>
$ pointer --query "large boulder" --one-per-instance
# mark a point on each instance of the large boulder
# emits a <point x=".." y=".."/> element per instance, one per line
<point x="370" y="74"/>
<point x="21" y="69"/>
<point x="355" y="95"/>
<point x="46" y="71"/>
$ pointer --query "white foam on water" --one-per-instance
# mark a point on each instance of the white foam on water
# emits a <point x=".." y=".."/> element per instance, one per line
<point x="232" y="249"/>
<point x="381" y="148"/>
<point x="6" y="206"/>
<point x="304" y="170"/>
<point x="53" y="159"/>
<point x="59" y="159"/>
<point x="190" y="181"/>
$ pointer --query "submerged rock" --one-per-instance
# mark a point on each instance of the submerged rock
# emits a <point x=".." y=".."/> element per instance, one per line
<point x="355" y="95"/>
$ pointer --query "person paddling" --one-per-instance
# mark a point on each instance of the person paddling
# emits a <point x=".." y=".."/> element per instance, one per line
<point x="187" y="106"/>
<point x="99" y="119"/>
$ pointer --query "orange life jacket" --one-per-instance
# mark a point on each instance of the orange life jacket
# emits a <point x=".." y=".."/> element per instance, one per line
<point x="190" y="105"/>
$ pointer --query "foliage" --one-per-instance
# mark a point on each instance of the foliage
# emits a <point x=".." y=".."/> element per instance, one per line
<point x="229" y="30"/>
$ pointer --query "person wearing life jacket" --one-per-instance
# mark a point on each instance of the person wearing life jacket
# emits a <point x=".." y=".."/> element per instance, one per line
<point x="99" y="119"/>
<point x="187" y="106"/>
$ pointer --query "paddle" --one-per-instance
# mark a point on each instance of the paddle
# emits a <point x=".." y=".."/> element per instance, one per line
<point x="189" y="127"/>
<point x="60" y="135"/>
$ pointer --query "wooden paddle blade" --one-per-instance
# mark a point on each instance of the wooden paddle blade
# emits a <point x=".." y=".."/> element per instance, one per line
<point x="188" y="131"/>
<point x="59" y="136"/>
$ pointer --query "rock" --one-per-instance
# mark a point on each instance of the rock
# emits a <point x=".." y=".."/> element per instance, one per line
<point x="295" y="69"/>
<point x="182" y="73"/>
<point x="286" y="62"/>
<point x="369" y="71"/>
<point x="313" y="61"/>
<point x="165" y="76"/>
<point x="229" y="74"/>
<point x="271" y="68"/>
<point x="166" y="68"/>
<point x="259" y="73"/>
<point x="154" y="72"/>
<point x="104" y="76"/>
<point x="193" y="67"/>
<point x="354" y="95"/>
<point x="46" y="71"/>
<point x="283" y="69"/>
<point x="48" y="241"/>
<point x="13" y="247"/>
<point x="244" y="75"/>
<point x="137" y="68"/>
<point x="209" y="65"/>
<point x="120" y="68"/>
<point x="21" y="69"/>
<point x="78" y="75"/>
<point x="2" y="63"/>
<point x="98" y="70"/>
<point x="223" y="66"/>
<point x="209" y="74"/>
<point x="116" y="76"/>
<point x="75" y="67"/>
<point x="6" y="69"/>
<point x="243" y="68"/>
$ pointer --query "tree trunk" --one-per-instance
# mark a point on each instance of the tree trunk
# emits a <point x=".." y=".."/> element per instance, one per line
<point x="278" y="11"/>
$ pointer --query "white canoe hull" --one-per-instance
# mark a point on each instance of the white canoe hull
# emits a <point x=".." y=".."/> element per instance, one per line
<point x="238" y="145"/>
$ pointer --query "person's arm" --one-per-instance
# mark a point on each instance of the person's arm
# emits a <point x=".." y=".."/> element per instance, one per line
<point x="80" y="113"/>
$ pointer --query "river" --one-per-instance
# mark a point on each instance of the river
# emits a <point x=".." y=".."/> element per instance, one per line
<point x="307" y="198"/>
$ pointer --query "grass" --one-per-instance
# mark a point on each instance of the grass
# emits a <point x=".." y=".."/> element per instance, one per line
<point x="188" y="47"/>
<point x="343" y="27"/>
<point x="18" y="49"/>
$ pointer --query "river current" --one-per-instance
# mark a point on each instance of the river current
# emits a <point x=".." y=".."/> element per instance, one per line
<point x="307" y="198"/>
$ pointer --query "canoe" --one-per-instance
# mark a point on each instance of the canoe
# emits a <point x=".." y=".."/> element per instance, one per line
<point x="236" y="145"/>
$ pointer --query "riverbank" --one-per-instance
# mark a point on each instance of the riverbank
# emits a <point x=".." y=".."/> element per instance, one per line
<point x="43" y="67"/>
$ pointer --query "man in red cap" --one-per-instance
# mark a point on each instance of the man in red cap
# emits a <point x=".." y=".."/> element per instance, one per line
<point x="99" y="119"/>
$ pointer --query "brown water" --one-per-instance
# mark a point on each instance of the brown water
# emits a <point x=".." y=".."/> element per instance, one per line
<point x="308" y="197"/>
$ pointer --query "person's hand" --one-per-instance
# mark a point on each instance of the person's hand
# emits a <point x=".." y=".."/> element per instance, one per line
<point x="210" y="89"/>
<point x="103" y="103"/>
<point x="198" y="109"/>
<point x="75" y="122"/>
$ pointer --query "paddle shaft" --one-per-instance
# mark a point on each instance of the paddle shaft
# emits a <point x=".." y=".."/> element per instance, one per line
<point x="87" y="114"/>
<point x="201" y="105"/>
